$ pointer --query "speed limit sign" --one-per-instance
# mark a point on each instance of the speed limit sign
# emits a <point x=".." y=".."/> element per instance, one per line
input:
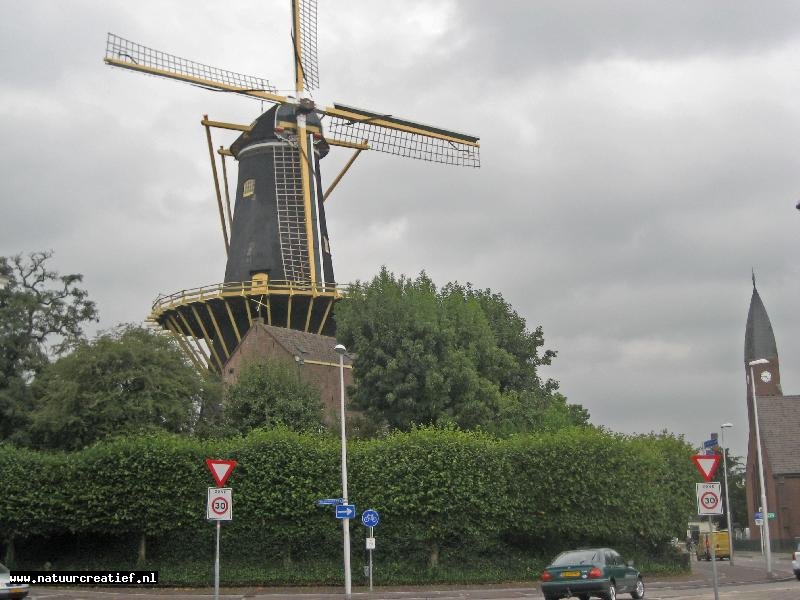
<point x="220" y="504"/>
<point x="708" y="498"/>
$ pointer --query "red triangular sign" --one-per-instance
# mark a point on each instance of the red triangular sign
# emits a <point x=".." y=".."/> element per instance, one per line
<point x="706" y="464"/>
<point x="220" y="469"/>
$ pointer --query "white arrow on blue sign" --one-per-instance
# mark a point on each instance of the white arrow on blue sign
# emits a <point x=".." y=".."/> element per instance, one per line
<point x="330" y="501"/>
<point x="345" y="511"/>
<point x="710" y="443"/>
<point x="370" y="517"/>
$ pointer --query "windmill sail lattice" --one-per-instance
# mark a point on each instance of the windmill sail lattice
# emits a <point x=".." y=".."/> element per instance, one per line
<point x="307" y="17"/>
<point x="121" y="53"/>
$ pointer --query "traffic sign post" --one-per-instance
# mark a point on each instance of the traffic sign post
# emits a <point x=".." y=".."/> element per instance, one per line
<point x="219" y="506"/>
<point x="708" y="503"/>
<point x="370" y="518"/>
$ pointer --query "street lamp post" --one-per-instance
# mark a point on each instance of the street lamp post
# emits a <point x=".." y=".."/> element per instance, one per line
<point x="722" y="428"/>
<point x="764" y="508"/>
<point x="341" y="350"/>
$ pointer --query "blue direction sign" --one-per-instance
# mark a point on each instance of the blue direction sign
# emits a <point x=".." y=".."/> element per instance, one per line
<point x="760" y="515"/>
<point x="345" y="511"/>
<point x="330" y="502"/>
<point x="370" y="517"/>
<point x="710" y="443"/>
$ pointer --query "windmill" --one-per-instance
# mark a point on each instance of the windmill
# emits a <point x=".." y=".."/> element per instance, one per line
<point x="279" y="266"/>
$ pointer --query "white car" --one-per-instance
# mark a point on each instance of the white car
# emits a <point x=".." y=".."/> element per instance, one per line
<point x="796" y="558"/>
<point x="10" y="590"/>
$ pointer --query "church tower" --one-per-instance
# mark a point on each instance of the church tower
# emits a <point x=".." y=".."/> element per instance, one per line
<point x="759" y="343"/>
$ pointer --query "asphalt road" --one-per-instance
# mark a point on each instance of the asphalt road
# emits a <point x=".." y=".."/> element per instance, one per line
<point x="745" y="580"/>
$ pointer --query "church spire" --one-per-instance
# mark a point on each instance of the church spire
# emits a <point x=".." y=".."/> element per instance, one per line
<point x="759" y="340"/>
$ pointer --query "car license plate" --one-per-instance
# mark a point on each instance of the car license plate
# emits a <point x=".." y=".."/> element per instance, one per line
<point x="570" y="573"/>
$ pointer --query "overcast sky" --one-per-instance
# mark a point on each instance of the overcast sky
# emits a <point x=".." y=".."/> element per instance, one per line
<point x="638" y="159"/>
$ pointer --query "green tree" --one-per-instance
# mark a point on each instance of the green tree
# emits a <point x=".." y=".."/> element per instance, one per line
<point x="425" y="356"/>
<point x="124" y="381"/>
<point x="269" y="393"/>
<point x="42" y="315"/>
<point x="531" y="411"/>
<point x="736" y="491"/>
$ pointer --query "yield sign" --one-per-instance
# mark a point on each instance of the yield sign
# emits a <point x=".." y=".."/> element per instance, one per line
<point x="706" y="464"/>
<point x="220" y="469"/>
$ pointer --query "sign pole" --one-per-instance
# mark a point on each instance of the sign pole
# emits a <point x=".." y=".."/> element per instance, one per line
<point x="713" y="543"/>
<point x="216" y="567"/>
<point x="371" y="534"/>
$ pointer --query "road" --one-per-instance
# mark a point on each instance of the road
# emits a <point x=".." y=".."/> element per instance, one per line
<point x="746" y="580"/>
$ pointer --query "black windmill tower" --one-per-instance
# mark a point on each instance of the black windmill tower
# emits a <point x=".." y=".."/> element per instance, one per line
<point x="279" y="266"/>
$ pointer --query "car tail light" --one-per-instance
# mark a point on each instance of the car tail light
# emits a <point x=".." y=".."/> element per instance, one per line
<point x="279" y="130"/>
<point x="546" y="576"/>
<point x="594" y="573"/>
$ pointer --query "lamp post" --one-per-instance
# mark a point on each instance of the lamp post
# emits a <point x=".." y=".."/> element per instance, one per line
<point x="722" y="429"/>
<point x="341" y="350"/>
<point x="764" y="508"/>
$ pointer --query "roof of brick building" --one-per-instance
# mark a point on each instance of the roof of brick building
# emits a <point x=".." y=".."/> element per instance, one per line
<point x="779" y="422"/>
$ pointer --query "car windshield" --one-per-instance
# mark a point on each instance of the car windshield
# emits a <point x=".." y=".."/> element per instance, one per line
<point x="3" y="569"/>
<point x="576" y="557"/>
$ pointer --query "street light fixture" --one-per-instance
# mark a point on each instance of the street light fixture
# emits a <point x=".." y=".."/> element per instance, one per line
<point x="341" y="351"/>
<point x="764" y="509"/>
<point x="722" y="428"/>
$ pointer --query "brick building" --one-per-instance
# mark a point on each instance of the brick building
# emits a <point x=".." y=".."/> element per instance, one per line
<point x="313" y="355"/>
<point x="779" y="425"/>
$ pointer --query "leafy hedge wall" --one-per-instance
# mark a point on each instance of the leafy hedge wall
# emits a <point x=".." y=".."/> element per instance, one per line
<point x="439" y="492"/>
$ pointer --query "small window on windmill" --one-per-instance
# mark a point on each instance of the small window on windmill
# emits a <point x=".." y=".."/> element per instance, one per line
<point x="249" y="188"/>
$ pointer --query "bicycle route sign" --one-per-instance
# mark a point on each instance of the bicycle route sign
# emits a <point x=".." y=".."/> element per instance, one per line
<point x="708" y="498"/>
<point x="370" y="518"/>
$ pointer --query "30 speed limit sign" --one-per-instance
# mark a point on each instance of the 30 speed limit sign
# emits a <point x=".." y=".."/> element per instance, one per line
<point x="220" y="504"/>
<point x="708" y="498"/>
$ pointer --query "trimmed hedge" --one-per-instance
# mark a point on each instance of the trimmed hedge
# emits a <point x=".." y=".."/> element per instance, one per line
<point x="446" y="497"/>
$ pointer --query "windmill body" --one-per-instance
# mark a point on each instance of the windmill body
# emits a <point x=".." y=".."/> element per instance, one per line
<point x="279" y="267"/>
<point x="269" y="231"/>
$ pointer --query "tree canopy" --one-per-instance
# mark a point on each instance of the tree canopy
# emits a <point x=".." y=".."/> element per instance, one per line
<point x="458" y="355"/>
<point x="42" y="315"/>
<point x="269" y="393"/>
<point x="124" y="381"/>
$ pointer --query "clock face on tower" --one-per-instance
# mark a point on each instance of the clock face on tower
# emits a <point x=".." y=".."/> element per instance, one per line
<point x="766" y="376"/>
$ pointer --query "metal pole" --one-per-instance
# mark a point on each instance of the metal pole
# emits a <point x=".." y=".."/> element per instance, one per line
<point x="345" y="522"/>
<point x="372" y="535"/>
<point x="727" y="500"/>
<point x="764" y="509"/>
<point x="713" y="543"/>
<point x="216" y="567"/>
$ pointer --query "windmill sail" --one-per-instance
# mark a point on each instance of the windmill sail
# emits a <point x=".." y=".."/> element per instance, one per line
<point x="402" y="137"/>
<point x="136" y="57"/>
<point x="305" y="15"/>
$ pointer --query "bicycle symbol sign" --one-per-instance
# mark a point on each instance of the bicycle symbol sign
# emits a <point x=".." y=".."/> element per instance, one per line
<point x="708" y="499"/>
<point x="220" y="504"/>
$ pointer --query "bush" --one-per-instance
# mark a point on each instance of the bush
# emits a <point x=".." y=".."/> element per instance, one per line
<point x="454" y="505"/>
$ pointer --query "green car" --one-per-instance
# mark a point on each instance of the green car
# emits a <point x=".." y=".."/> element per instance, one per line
<point x="591" y="572"/>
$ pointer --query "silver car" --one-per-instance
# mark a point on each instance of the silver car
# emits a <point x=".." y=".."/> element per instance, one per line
<point x="796" y="558"/>
<point x="10" y="590"/>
